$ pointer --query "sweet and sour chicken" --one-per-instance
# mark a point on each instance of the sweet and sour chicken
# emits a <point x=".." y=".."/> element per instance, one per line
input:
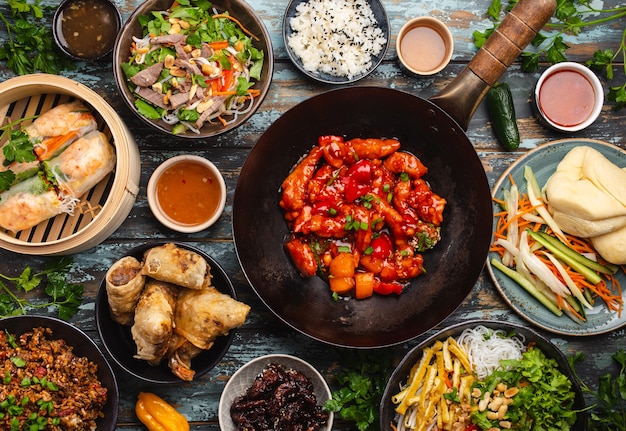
<point x="360" y="214"/>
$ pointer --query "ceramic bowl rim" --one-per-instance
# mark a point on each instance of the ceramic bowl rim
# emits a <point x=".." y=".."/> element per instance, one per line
<point x="158" y="212"/>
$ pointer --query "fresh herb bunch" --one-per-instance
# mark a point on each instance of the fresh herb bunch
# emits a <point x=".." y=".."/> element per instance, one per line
<point x="608" y="413"/>
<point x="63" y="296"/>
<point x="17" y="148"/>
<point x="362" y="381"/>
<point x="571" y="16"/>
<point x="30" y="47"/>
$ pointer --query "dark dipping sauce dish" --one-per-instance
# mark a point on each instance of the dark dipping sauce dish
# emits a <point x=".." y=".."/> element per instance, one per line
<point x="86" y="29"/>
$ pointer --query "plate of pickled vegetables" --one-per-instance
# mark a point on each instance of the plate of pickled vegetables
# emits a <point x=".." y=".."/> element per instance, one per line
<point x="557" y="280"/>
<point x="483" y="375"/>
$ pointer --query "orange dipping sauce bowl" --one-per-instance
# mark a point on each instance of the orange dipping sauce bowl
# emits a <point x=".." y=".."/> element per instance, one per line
<point x="424" y="46"/>
<point x="187" y="193"/>
<point x="568" y="97"/>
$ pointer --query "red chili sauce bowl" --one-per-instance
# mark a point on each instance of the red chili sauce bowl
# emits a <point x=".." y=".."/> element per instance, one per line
<point x="568" y="97"/>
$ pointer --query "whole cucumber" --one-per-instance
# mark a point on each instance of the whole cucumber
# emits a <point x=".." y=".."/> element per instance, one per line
<point x="502" y="115"/>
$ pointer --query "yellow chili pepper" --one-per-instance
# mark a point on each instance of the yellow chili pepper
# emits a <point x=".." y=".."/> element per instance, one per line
<point x="156" y="414"/>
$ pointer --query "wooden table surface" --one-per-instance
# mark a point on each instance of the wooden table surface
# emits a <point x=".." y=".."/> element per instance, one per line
<point x="263" y="333"/>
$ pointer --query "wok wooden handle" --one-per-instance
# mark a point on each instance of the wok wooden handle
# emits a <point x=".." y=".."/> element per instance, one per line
<point x="518" y="28"/>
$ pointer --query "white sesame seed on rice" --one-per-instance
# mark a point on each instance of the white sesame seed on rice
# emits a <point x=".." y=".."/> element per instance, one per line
<point x="336" y="37"/>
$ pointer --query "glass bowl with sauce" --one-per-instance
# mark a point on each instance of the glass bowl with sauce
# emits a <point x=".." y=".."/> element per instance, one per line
<point x="86" y="29"/>
<point x="187" y="193"/>
<point x="424" y="46"/>
<point x="568" y="97"/>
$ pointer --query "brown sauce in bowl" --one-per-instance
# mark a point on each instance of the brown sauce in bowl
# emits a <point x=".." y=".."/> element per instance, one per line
<point x="423" y="48"/>
<point x="188" y="193"/>
<point x="87" y="28"/>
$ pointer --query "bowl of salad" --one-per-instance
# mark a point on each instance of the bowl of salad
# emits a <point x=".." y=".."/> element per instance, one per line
<point x="482" y="375"/>
<point x="193" y="70"/>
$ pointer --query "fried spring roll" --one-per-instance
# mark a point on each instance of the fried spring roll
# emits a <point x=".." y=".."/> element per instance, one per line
<point x="177" y="266"/>
<point x="124" y="284"/>
<point x="154" y="320"/>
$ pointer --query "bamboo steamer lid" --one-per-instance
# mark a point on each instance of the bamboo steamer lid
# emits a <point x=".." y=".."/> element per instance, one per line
<point x="105" y="207"/>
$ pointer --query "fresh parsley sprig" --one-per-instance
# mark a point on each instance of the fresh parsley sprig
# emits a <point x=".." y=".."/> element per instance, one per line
<point x="17" y="147"/>
<point x="362" y="381"/>
<point x="63" y="296"/>
<point x="608" y="412"/>
<point x="570" y="17"/>
<point x="30" y="47"/>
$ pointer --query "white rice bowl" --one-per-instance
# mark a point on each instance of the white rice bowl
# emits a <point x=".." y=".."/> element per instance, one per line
<point x="336" y="37"/>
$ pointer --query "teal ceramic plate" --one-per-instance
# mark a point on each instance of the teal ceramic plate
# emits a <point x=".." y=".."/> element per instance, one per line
<point x="544" y="161"/>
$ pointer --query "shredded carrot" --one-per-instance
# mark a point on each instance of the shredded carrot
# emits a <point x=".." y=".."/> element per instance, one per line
<point x="574" y="312"/>
<point x="245" y="30"/>
<point x="233" y="93"/>
<point x="222" y="44"/>
<point x="222" y="120"/>
<point x="608" y="290"/>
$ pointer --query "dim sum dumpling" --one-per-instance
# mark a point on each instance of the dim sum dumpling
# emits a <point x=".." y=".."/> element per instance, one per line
<point x="28" y="203"/>
<point x="177" y="265"/>
<point x="154" y="320"/>
<point x="203" y="315"/>
<point x="124" y="284"/>
<point x="83" y="164"/>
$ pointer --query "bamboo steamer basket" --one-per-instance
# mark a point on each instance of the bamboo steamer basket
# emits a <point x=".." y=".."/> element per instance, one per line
<point x="105" y="207"/>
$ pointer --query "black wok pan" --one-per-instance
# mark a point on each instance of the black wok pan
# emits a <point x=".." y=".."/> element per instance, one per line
<point x="434" y="130"/>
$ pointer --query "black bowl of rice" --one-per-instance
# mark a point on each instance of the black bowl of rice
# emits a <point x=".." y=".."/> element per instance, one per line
<point x="336" y="41"/>
<point x="438" y="367"/>
<point x="54" y="357"/>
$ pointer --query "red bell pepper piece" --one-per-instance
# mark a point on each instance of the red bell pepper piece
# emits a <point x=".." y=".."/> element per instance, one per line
<point x="358" y="180"/>
<point x="381" y="246"/>
<point x="388" y="288"/>
<point x="361" y="171"/>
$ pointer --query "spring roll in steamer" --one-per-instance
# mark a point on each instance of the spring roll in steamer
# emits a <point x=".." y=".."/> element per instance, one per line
<point x="83" y="164"/>
<point x="28" y="203"/>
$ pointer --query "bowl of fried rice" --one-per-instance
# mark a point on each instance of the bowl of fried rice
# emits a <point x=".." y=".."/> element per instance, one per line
<point x="60" y="372"/>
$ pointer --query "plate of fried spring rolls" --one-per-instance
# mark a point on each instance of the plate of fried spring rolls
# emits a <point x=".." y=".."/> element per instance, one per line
<point x="167" y="312"/>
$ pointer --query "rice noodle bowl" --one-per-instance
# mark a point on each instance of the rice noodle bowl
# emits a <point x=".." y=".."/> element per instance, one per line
<point x="487" y="347"/>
